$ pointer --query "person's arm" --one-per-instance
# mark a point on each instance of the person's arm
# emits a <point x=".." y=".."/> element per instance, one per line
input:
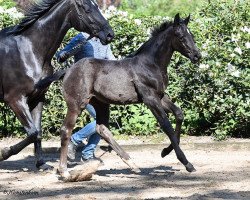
<point x="71" y="48"/>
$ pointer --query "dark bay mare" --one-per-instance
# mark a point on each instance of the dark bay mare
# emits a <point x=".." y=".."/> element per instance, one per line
<point x="26" y="51"/>
<point x="139" y="78"/>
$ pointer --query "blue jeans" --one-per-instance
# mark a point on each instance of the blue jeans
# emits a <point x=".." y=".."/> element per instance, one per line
<point x="89" y="131"/>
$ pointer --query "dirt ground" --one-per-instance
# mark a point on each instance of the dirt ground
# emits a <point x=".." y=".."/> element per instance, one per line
<point x="223" y="172"/>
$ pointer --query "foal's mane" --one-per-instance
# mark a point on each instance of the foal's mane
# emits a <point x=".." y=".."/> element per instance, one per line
<point x="155" y="32"/>
<point x="162" y="27"/>
<point x="32" y="14"/>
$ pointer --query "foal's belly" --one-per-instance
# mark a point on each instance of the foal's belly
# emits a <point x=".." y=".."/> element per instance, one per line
<point x="115" y="88"/>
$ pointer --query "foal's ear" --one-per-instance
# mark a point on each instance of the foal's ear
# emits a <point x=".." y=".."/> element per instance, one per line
<point x="186" y="21"/>
<point x="177" y="20"/>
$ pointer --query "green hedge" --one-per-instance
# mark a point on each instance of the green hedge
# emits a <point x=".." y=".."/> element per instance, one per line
<point x="160" y="7"/>
<point x="213" y="95"/>
<point x="7" y="3"/>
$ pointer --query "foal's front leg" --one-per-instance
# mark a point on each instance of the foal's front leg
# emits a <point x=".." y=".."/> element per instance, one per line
<point x="153" y="102"/>
<point x="170" y="107"/>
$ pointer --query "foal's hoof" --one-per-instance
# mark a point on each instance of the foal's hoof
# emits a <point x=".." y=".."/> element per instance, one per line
<point x="64" y="176"/>
<point x="82" y="172"/>
<point x="190" y="167"/>
<point x="3" y="153"/>
<point x="165" y="151"/>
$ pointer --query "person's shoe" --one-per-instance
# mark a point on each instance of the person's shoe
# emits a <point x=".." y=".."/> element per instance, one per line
<point x="91" y="159"/>
<point x="71" y="150"/>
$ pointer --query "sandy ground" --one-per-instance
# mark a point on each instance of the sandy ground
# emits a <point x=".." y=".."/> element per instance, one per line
<point x="223" y="172"/>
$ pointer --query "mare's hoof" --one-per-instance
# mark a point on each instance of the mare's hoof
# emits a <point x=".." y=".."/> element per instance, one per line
<point x="3" y="153"/>
<point x="165" y="152"/>
<point x="44" y="167"/>
<point x="190" y="167"/>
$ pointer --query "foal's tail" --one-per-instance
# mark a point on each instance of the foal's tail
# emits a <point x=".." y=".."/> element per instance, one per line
<point x="44" y="83"/>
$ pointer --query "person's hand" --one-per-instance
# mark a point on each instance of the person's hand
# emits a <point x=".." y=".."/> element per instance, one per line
<point x="62" y="57"/>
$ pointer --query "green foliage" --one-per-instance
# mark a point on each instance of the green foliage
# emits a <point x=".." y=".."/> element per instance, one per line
<point x="160" y="7"/>
<point x="7" y="3"/>
<point x="133" y="120"/>
<point x="131" y="32"/>
<point x="9" y="16"/>
<point x="214" y="95"/>
<point x="223" y="81"/>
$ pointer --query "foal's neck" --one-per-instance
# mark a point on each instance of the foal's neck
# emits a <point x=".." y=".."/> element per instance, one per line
<point x="159" y="50"/>
<point x="164" y="50"/>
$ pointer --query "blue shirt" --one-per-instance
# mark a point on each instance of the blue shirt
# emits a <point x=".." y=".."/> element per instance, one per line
<point x="92" y="48"/>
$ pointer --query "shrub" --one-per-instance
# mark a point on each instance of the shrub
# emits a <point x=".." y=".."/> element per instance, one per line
<point x="160" y="7"/>
<point x="9" y="16"/>
<point x="214" y="95"/>
<point x="7" y="3"/>
<point x="219" y="91"/>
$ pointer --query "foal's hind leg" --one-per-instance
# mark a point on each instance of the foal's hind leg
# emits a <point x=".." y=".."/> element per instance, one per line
<point x="169" y="106"/>
<point x="66" y="130"/>
<point x="21" y="109"/>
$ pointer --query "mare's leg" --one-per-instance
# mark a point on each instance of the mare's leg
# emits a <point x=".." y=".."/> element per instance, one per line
<point x="36" y="115"/>
<point x="170" y="107"/>
<point x="21" y="109"/>
<point x="153" y="102"/>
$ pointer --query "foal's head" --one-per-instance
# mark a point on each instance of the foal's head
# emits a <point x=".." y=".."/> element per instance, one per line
<point x="183" y="40"/>
<point x="88" y="18"/>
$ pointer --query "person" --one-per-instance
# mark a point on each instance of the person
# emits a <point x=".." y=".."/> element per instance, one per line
<point x="80" y="47"/>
